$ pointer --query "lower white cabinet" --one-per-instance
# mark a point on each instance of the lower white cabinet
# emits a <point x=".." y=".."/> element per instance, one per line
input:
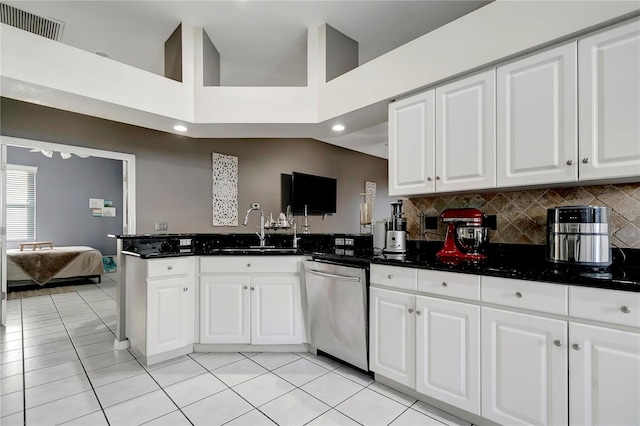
<point x="604" y="376"/>
<point x="160" y="305"/>
<point x="392" y="339"/>
<point x="448" y="352"/>
<point x="261" y="307"/>
<point x="524" y="368"/>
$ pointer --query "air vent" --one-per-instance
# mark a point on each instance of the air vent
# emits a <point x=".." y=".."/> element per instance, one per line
<point x="45" y="27"/>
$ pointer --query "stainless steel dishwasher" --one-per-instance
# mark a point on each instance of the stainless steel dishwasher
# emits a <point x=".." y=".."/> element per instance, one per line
<point x="337" y="312"/>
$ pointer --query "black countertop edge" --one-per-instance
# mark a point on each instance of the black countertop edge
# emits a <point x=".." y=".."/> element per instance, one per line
<point x="231" y="234"/>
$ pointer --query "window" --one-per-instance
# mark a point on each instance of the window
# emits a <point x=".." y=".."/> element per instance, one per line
<point x="21" y="203"/>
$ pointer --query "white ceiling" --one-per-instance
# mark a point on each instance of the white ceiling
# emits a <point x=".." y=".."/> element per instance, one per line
<point x="261" y="43"/>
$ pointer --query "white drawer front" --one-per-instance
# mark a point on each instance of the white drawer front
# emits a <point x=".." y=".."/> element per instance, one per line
<point x="614" y="306"/>
<point x="394" y="276"/>
<point x="449" y="284"/>
<point x="536" y="296"/>
<point x="168" y="267"/>
<point x="250" y="264"/>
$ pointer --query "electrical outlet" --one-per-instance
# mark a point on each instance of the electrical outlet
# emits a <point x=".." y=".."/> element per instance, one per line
<point x="162" y="226"/>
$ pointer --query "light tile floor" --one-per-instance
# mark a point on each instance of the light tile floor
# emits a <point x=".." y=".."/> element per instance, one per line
<point x="59" y="367"/>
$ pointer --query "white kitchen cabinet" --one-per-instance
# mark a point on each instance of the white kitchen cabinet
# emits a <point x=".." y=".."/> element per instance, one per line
<point x="160" y="307"/>
<point x="604" y="378"/>
<point x="537" y="102"/>
<point x="465" y="134"/>
<point x="411" y="145"/>
<point x="275" y="310"/>
<point x="260" y="304"/>
<point x="448" y="352"/>
<point x="225" y="309"/>
<point x="392" y="342"/>
<point x="524" y="368"/>
<point x="609" y="130"/>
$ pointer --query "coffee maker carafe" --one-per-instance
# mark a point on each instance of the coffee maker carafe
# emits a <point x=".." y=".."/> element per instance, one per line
<point x="396" y="241"/>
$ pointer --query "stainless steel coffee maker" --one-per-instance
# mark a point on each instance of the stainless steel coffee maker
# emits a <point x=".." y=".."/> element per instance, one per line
<point x="396" y="241"/>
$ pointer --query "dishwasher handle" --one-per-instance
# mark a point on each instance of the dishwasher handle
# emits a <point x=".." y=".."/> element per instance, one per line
<point x="337" y="277"/>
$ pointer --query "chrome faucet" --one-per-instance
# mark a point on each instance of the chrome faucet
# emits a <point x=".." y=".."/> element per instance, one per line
<point x="261" y="235"/>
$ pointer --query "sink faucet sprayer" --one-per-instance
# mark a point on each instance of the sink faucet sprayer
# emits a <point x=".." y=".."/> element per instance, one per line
<point x="261" y="235"/>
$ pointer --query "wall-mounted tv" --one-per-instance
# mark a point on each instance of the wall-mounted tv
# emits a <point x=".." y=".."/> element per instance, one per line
<point x="318" y="193"/>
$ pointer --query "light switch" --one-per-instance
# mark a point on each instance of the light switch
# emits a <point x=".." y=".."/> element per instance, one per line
<point x="162" y="226"/>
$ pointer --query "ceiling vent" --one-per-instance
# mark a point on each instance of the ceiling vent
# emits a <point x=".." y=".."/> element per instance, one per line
<point x="45" y="27"/>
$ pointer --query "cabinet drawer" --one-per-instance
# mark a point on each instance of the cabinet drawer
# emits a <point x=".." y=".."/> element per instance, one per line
<point x="250" y="264"/>
<point x="168" y="267"/>
<point x="394" y="276"/>
<point x="536" y="296"/>
<point x="614" y="306"/>
<point x="449" y="284"/>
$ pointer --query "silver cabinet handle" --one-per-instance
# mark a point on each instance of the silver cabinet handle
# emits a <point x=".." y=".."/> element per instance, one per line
<point x="518" y="295"/>
<point x="444" y="284"/>
<point x="246" y="287"/>
<point x="248" y="265"/>
<point x="410" y="310"/>
<point x="185" y="289"/>
<point x="418" y="313"/>
<point x="557" y="342"/>
<point x="569" y="162"/>
<point x="585" y="160"/>
<point x="576" y="346"/>
<point x="390" y="276"/>
<point x="437" y="177"/>
<point x="253" y="288"/>
<point x="625" y="309"/>
<point x="169" y="267"/>
<point x="429" y="179"/>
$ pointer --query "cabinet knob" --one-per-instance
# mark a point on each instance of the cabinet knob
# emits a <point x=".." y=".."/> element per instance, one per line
<point x="390" y="276"/>
<point x="585" y="160"/>
<point x="418" y="313"/>
<point x="246" y="287"/>
<point x="444" y="284"/>
<point x="576" y="346"/>
<point x="410" y="310"/>
<point x="569" y="162"/>
<point x="248" y="265"/>
<point x="625" y="309"/>
<point x="557" y="342"/>
<point x="437" y="177"/>
<point x="185" y="288"/>
<point x="253" y="288"/>
<point x="429" y="179"/>
<point x="169" y="267"/>
<point x="518" y="295"/>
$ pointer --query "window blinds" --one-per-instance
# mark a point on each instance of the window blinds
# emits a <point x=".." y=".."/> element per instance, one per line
<point x="21" y="202"/>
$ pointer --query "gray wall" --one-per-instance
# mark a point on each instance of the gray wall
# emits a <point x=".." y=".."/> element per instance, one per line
<point x="173" y="55"/>
<point x="174" y="171"/>
<point x="341" y="53"/>
<point x="63" y="189"/>
<point x="210" y="62"/>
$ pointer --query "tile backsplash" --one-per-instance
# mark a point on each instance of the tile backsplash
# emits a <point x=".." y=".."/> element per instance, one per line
<point x="522" y="215"/>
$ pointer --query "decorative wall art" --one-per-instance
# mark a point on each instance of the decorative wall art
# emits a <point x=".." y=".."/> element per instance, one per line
<point x="225" y="190"/>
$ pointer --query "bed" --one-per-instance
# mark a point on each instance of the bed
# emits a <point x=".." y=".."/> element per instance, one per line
<point x="44" y="266"/>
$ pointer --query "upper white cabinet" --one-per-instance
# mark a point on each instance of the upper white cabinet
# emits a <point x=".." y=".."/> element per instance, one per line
<point x="465" y="134"/>
<point x="609" y="132"/>
<point x="537" y="140"/>
<point x="411" y="145"/>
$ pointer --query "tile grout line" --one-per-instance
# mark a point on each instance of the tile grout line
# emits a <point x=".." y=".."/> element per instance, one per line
<point x="24" y="373"/>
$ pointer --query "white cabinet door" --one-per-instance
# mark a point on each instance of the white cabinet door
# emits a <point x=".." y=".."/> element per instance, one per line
<point x="537" y="119"/>
<point x="411" y="138"/>
<point x="524" y="368"/>
<point x="225" y="309"/>
<point x="448" y="352"/>
<point x="170" y="314"/>
<point x="604" y="377"/>
<point x="609" y="66"/>
<point x="392" y="326"/>
<point x="276" y="311"/>
<point x="465" y="134"/>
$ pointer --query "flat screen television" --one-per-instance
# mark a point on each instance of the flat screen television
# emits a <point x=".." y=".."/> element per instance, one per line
<point x="318" y="193"/>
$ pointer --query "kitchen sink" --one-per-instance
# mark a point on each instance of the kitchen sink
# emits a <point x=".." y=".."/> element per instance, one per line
<point x="257" y="250"/>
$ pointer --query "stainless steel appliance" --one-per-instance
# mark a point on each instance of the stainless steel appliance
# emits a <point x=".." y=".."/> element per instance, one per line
<point x="579" y="235"/>
<point x="467" y="233"/>
<point x="380" y="234"/>
<point x="396" y="240"/>
<point x="337" y="310"/>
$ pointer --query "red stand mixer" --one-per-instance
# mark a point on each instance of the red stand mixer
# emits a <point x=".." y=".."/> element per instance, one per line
<point x="467" y="234"/>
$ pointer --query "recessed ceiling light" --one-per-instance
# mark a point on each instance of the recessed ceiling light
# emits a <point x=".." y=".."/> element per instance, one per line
<point x="338" y="127"/>
<point x="180" y="128"/>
